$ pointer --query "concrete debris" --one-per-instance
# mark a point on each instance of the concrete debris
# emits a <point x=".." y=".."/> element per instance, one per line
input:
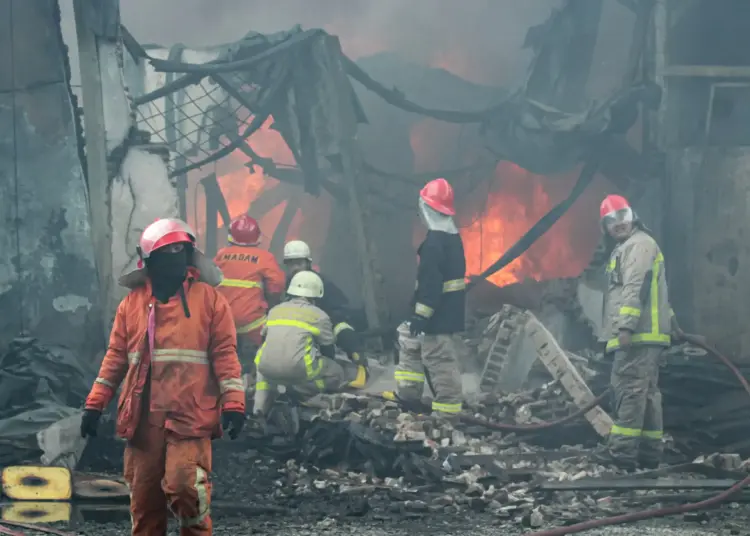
<point x="354" y="455"/>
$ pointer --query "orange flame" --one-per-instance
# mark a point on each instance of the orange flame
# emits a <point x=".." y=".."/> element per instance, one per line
<point x="517" y="200"/>
<point x="242" y="186"/>
<point x="496" y="216"/>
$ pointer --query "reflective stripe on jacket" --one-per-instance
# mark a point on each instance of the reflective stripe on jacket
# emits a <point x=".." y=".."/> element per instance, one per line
<point x="440" y="293"/>
<point x="193" y="366"/>
<point x="294" y="332"/>
<point x="250" y="274"/>
<point x="336" y="306"/>
<point x="637" y="297"/>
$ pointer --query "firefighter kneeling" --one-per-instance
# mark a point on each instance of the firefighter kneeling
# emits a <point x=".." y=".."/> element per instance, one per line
<point x="298" y="258"/>
<point x="299" y="351"/>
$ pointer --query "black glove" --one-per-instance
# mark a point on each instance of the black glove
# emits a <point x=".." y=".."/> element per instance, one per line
<point x="233" y="421"/>
<point x="90" y="422"/>
<point x="417" y="325"/>
<point x="348" y="341"/>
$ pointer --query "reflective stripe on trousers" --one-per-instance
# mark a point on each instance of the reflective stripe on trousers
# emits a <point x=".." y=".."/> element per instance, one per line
<point x="654" y="336"/>
<point x="312" y="369"/>
<point x="446" y="408"/>
<point x="204" y="505"/>
<point x="409" y="376"/>
<point x="634" y="432"/>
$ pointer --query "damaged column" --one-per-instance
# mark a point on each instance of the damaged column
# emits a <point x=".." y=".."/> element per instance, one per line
<point x="48" y="279"/>
<point x="350" y="165"/>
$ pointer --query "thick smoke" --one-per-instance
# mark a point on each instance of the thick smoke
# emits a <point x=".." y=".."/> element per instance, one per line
<point x="480" y="40"/>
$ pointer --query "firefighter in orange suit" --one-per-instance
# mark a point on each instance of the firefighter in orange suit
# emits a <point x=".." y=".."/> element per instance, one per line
<point x="173" y="349"/>
<point x="253" y="281"/>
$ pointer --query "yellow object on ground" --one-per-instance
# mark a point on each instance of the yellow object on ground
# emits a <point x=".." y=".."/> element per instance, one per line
<point x="99" y="488"/>
<point x="33" y="483"/>
<point x="388" y="395"/>
<point x="361" y="380"/>
<point x="37" y="512"/>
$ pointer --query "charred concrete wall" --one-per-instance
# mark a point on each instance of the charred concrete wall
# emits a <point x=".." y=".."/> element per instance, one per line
<point x="141" y="193"/>
<point x="707" y="146"/>
<point x="710" y="252"/>
<point x="48" y="283"/>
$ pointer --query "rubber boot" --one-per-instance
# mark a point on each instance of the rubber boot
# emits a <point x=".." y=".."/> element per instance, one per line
<point x="603" y="456"/>
<point x="361" y="380"/>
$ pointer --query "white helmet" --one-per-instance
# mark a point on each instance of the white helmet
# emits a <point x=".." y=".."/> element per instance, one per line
<point x="306" y="284"/>
<point x="297" y="249"/>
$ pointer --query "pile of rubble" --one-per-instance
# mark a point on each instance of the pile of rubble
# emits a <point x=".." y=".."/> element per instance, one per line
<point x="355" y="455"/>
<point x="365" y="456"/>
<point x="705" y="407"/>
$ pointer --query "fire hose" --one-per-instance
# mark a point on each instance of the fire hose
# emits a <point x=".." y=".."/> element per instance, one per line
<point x="672" y="510"/>
<point x="503" y="427"/>
<point x="624" y="518"/>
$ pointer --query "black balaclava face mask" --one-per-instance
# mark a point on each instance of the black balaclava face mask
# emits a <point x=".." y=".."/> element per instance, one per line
<point x="167" y="271"/>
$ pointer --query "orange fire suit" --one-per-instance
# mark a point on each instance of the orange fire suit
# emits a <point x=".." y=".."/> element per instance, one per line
<point x="178" y="373"/>
<point x="250" y="275"/>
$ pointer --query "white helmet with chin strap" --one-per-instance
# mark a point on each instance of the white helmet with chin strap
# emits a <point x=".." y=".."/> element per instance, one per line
<point x="297" y="249"/>
<point x="306" y="285"/>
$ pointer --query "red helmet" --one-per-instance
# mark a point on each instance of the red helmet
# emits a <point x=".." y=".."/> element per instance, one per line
<point x="164" y="232"/>
<point x="438" y="195"/>
<point x="614" y="209"/>
<point x="244" y="231"/>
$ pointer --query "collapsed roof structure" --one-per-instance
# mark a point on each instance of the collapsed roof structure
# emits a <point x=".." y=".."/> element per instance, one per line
<point x="209" y="106"/>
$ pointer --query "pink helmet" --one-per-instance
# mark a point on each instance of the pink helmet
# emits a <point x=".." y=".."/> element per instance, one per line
<point x="164" y="232"/>
<point x="438" y="195"/>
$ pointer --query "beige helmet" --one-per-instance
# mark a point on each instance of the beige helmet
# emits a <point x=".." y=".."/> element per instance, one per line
<point x="297" y="249"/>
<point x="306" y="285"/>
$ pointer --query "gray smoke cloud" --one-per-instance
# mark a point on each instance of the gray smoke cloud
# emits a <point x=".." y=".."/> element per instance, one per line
<point x="480" y="40"/>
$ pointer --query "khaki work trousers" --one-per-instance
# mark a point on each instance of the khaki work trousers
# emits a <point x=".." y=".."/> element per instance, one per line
<point x="431" y="357"/>
<point x="333" y="377"/>
<point x="637" y="432"/>
<point x="166" y="472"/>
<point x="247" y="347"/>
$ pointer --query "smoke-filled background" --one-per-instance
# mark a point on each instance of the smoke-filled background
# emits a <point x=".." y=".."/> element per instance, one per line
<point x="479" y="41"/>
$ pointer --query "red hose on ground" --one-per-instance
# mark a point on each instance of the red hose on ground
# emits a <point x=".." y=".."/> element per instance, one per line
<point x="672" y="510"/>
<point x="504" y="427"/>
<point x="468" y="419"/>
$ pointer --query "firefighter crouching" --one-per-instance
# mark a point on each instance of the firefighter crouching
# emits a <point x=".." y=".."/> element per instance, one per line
<point x="299" y="351"/>
<point x="297" y="258"/>
<point x="427" y="349"/>
<point x="173" y="348"/>
<point x="253" y="281"/>
<point x="638" y="321"/>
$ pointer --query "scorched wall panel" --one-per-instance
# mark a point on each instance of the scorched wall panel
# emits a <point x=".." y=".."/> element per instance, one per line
<point x="715" y="247"/>
<point x="46" y="230"/>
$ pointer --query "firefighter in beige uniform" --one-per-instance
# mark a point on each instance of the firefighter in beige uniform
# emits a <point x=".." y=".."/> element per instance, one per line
<point x="299" y="350"/>
<point x="637" y="323"/>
